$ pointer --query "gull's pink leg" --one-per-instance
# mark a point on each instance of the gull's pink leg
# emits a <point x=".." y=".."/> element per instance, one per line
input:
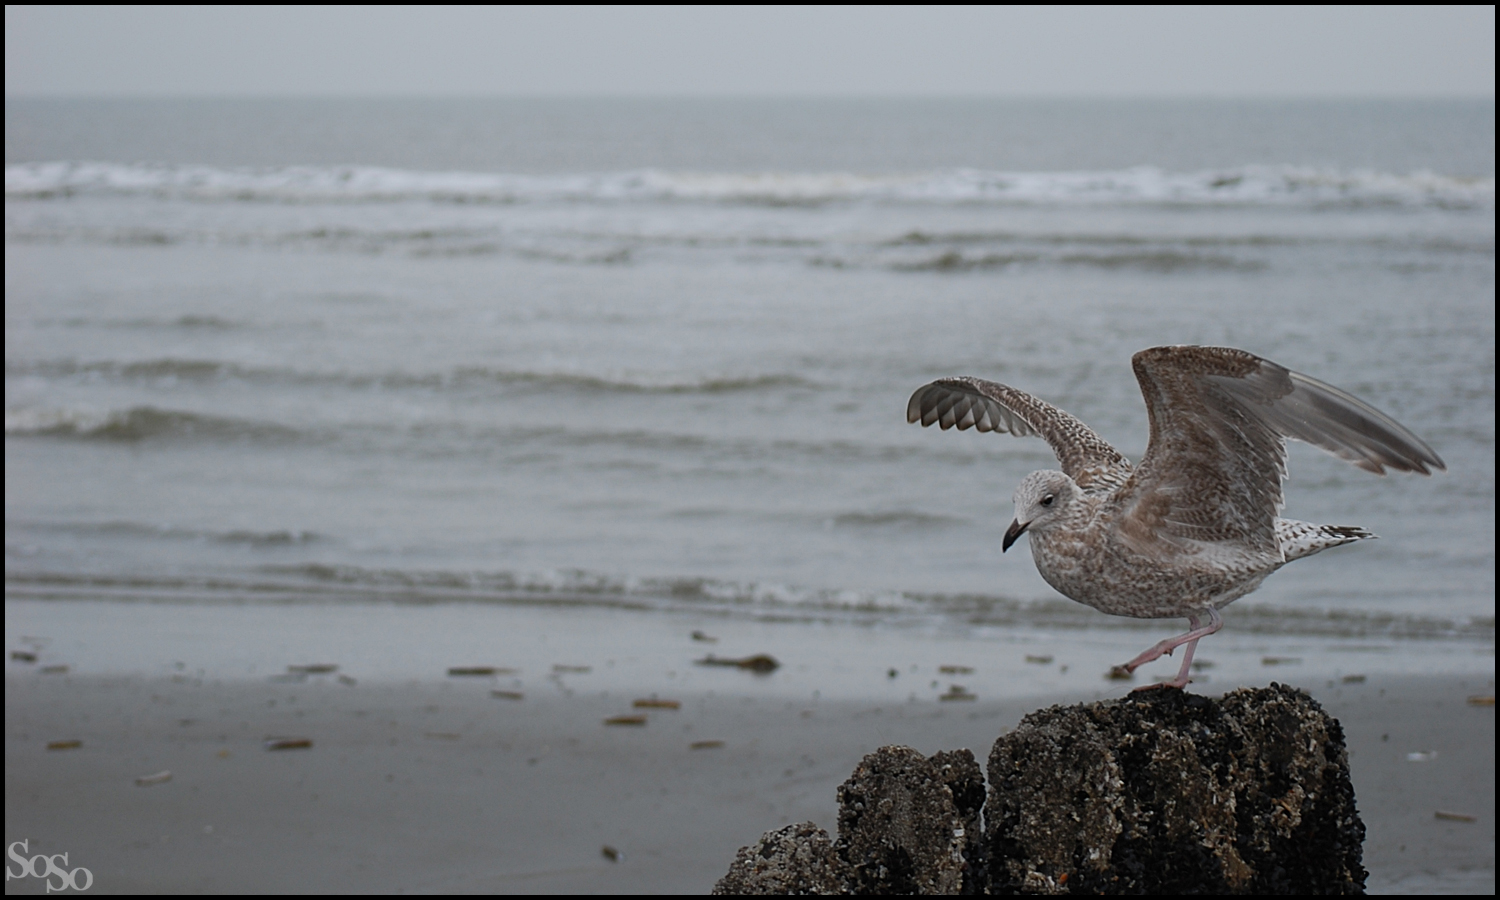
<point x="1165" y="648"/>
<point x="1182" y="679"/>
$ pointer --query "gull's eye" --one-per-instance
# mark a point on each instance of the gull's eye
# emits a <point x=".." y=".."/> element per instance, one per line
<point x="1047" y="500"/>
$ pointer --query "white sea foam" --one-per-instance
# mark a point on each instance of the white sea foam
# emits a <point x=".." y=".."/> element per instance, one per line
<point x="1248" y="185"/>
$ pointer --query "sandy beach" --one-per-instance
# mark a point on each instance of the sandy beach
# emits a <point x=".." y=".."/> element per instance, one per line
<point x="513" y="782"/>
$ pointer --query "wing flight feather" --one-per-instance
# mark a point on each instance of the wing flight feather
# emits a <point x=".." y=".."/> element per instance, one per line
<point x="1214" y="467"/>
<point x="967" y="402"/>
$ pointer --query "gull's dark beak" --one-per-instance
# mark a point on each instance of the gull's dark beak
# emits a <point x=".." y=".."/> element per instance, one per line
<point x="1015" y="530"/>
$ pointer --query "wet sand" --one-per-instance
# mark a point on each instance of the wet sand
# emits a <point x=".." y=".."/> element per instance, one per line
<point x="438" y="784"/>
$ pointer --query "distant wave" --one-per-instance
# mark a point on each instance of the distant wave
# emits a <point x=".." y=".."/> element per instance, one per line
<point x="898" y="518"/>
<point x="198" y="370"/>
<point x="1159" y="260"/>
<point x="335" y="583"/>
<point x="1245" y="185"/>
<point x="639" y="385"/>
<point x="627" y="241"/>
<point x="138" y="423"/>
<point x="492" y="440"/>
<point x="281" y="537"/>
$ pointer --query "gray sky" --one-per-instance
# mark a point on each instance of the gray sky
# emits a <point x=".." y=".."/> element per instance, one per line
<point x="1035" y="51"/>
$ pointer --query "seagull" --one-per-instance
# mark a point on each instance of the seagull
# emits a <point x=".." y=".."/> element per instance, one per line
<point x="1195" y="526"/>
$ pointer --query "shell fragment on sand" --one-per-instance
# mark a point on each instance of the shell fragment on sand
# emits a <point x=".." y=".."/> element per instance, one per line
<point x="653" y="703"/>
<point x="288" y="743"/>
<point x="626" y="720"/>
<point x="760" y="663"/>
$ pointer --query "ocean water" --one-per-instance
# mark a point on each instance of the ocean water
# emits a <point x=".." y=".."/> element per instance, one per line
<point x="656" y="354"/>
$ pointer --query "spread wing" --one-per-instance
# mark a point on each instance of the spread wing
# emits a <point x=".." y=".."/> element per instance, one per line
<point x="989" y="406"/>
<point x="1220" y="418"/>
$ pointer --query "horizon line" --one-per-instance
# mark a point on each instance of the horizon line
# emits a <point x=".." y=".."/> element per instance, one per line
<point x="578" y="95"/>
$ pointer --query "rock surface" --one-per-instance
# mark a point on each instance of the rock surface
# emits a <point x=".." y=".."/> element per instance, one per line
<point x="797" y="859"/>
<point x="900" y="830"/>
<point x="1160" y="792"/>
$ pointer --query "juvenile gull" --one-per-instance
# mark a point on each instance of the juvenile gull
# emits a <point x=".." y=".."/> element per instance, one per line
<point x="1194" y="527"/>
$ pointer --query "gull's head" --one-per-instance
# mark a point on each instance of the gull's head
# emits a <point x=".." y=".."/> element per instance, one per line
<point x="1040" y="499"/>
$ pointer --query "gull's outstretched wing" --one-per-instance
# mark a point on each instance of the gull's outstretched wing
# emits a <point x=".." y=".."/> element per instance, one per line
<point x="989" y="406"/>
<point x="1217" y="456"/>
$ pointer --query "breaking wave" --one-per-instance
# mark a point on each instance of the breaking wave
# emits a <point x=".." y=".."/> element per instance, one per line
<point x="1246" y="185"/>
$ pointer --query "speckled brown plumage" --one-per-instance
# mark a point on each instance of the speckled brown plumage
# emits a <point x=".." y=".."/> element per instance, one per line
<point x="1194" y="526"/>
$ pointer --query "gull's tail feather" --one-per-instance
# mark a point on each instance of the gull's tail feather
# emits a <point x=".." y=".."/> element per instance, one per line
<point x="1299" y="539"/>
